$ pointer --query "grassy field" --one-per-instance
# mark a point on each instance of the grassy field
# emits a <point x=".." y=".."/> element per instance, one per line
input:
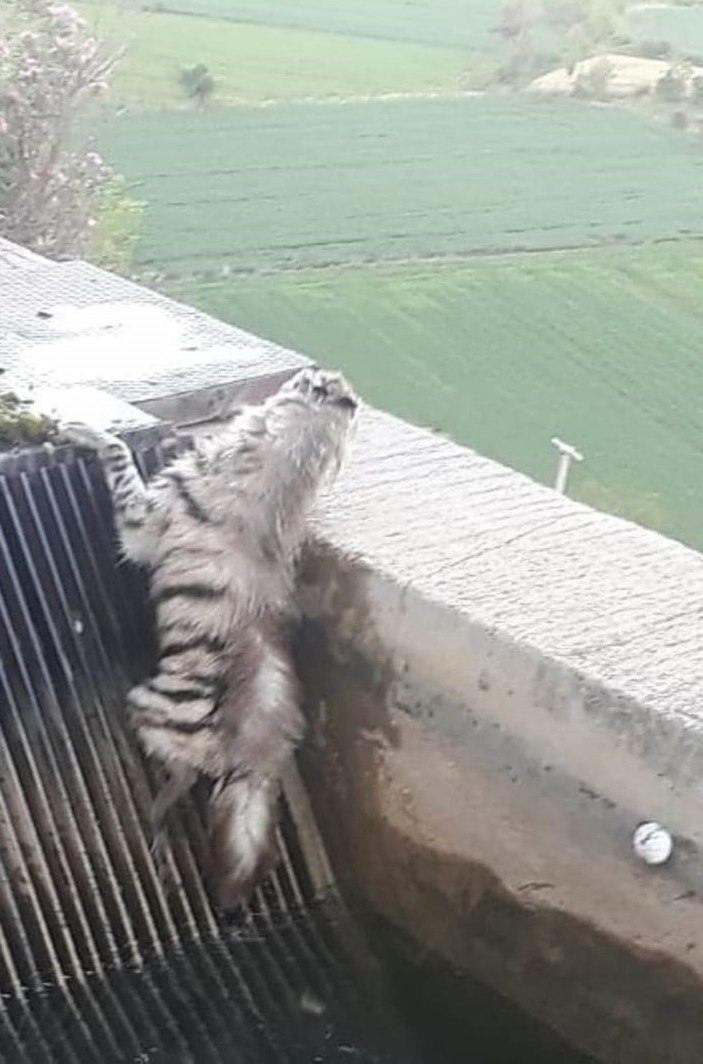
<point x="254" y="63"/>
<point x="464" y="24"/>
<point x="682" y="27"/>
<point x="293" y="186"/>
<point x="381" y="236"/>
<point x="601" y="348"/>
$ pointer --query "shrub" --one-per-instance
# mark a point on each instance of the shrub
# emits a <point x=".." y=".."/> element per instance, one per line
<point x="653" y="49"/>
<point x="593" y="82"/>
<point x="20" y="424"/>
<point x="671" y="86"/>
<point x="697" y="90"/>
<point x="197" y="83"/>
<point x="49" y="68"/>
<point x="115" y="232"/>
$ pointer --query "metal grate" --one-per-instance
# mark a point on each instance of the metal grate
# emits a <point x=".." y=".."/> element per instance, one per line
<point x="97" y="960"/>
<point x="283" y="993"/>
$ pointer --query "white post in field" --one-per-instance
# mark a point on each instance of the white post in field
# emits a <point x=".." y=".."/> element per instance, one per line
<point x="567" y="455"/>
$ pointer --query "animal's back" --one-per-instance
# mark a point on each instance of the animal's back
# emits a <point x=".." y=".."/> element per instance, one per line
<point x="220" y="530"/>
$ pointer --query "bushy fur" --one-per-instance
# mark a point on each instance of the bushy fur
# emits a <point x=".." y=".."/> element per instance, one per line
<point x="220" y="530"/>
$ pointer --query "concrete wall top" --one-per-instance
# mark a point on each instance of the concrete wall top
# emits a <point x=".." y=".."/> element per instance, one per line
<point x="606" y="598"/>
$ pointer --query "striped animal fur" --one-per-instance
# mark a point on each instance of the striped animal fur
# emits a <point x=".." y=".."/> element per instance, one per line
<point x="220" y="530"/>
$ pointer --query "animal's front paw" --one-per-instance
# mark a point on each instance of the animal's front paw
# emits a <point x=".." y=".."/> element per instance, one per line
<point x="79" y="434"/>
<point x="322" y="386"/>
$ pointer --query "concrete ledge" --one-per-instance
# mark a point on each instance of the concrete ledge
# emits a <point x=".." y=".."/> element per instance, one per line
<point x="502" y="685"/>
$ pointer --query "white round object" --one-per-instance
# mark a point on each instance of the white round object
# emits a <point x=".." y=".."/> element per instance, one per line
<point x="652" y="843"/>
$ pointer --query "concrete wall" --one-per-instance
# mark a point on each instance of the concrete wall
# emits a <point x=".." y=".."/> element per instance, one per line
<point x="501" y="683"/>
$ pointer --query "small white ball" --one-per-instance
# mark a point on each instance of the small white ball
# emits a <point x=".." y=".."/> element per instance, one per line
<point x="652" y="843"/>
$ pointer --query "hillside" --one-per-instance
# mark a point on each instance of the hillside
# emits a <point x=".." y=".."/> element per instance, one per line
<point x="302" y="185"/>
<point x="601" y="347"/>
<point x="343" y="194"/>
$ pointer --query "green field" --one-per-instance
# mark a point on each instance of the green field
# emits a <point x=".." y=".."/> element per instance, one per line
<point x="464" y="24"/>
<point x="499" y="267"/>
<point x="292" y="186"/>
<point x="282" y="50"/>
<point x="601" y="348"/>
<point x="255" y="63"/>
<point x="682" y="27"/>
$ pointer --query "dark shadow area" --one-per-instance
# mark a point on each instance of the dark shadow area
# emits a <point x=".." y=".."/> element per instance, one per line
<point x="455" y="1019"/>
<point x="294" y="988"/>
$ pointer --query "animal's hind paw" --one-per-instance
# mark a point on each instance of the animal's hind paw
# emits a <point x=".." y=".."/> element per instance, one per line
<point x="79" y="434"/>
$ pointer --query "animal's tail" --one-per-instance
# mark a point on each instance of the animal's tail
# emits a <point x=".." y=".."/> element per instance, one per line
<point x="243" y="817"/>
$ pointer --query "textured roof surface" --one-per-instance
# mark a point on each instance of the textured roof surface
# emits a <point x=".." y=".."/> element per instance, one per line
<point x="72" y="323"/>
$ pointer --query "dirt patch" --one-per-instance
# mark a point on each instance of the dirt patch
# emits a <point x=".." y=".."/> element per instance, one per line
<point x="622" y="76"/>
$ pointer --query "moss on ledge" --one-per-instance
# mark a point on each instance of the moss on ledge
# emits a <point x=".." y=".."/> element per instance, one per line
<point x="21" y="425"/>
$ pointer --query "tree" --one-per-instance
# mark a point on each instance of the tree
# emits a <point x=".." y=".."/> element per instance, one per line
<point x="197" y="83"/>
<point x="672" y="86"/>
<point x="588" y="26"/>
<point x="576" y="29"/>
<point x="50" y="68"/>
<point x="599" y="21"/>
<point x="697" y="90"/>
<point x="518" y="22"/>
<point x="518" y="18"/>
<point x="593" y="82"/>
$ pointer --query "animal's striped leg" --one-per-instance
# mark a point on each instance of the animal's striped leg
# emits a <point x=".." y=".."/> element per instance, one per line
<point x="181" y="780"/>
<point x="130" y="497"/>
